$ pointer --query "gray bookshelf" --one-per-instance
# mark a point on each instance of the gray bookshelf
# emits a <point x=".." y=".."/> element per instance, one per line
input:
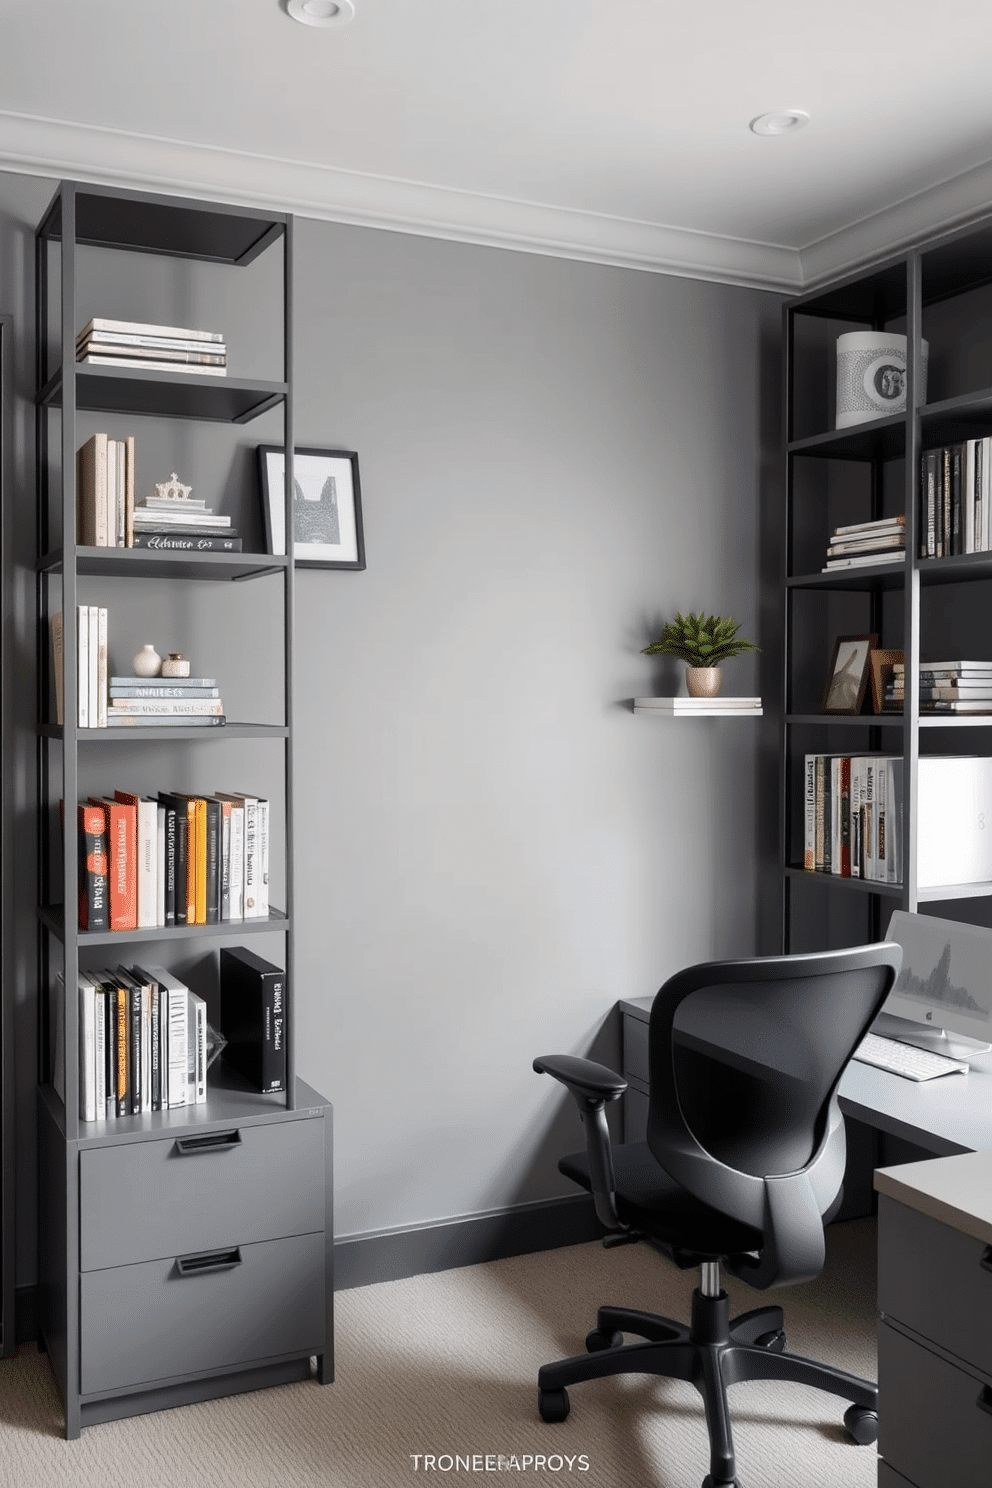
<point x="163" y="1234"/>
<point x="941" y="291"/>
<point x="8" y="1339"/>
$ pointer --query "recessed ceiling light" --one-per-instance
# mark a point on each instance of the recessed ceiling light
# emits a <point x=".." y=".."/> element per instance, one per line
<point x="321" y="12"/>
<point x="780" y="121"/>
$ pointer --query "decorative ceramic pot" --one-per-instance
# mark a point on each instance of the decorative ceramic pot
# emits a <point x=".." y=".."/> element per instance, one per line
<point x="703" y="682"/>
<point x="175" y="665"/>
<point x="147" y="662"/>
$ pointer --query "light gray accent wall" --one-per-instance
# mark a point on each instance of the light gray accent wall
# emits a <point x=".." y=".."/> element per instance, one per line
<point x="491" y="847"/>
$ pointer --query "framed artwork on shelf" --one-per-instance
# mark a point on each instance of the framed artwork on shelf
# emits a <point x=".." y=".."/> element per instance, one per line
<point x="327" y="506"/>
<point x="881" y="664"/>
<point x="848" y="675"/>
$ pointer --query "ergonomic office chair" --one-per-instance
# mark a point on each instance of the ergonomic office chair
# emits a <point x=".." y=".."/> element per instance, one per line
<point x="743" y="1165"/>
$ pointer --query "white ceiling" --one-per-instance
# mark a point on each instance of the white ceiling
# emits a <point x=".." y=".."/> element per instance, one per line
<point x="614" y="130"/>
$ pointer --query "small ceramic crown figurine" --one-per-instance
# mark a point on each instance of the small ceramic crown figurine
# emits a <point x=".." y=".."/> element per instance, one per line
<point x="172" y="489"/>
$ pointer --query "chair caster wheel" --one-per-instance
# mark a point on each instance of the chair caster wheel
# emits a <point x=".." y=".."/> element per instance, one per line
<point x="862" y="1424"/>
<point x="553" y="1405"/>
<point x="774" y="1341"/>
<point x="597" y="1342"/>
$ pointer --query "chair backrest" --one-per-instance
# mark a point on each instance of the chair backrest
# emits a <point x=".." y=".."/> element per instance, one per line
<point x="745" y="1060"/>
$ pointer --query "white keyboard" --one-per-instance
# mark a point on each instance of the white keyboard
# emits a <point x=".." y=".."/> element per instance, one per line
<point x="906" y="1059"/>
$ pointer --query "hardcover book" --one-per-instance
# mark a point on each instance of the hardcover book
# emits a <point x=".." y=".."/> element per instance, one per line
<point x="253" y="1017"/>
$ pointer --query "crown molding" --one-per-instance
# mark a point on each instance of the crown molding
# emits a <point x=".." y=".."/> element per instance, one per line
<point x="54" y="147"/>
<point x="953" y="203"/>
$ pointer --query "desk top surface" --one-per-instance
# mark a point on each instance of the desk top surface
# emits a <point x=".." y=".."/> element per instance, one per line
<point x="952" y="1114"/>
<point x="955" y="1190"/>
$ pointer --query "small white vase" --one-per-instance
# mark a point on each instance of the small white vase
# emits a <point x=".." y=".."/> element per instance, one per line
<point x="703" y="682"/>
<point x="147" y="662"/>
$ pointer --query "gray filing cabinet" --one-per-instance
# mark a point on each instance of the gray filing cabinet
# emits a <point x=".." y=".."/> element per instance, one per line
<point x="935" y="1323"/>
<point x="201" y="1251"/>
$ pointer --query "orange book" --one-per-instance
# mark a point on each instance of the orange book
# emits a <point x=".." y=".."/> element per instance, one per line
<point x="201" y="861"/>
<point x="196" y="852"/>
<point x="121" y="828"/>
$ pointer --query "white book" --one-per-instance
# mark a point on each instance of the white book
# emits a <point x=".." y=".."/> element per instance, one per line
<point x="175" y="1013"/>
<point x="110" y="493"/>
<point x="87" y="1048"/>
<point x="93" y="661"/>
<point x="835" y="824"/>
<point x="83" y="665"/>
<point x="159" y="518"/>
<point x="869" y="817"/>
<point x="984" y="526"/>
<point x="250" y="876"/>
<point x="101" y="668"/>
<point x="146" y="364"/>
<point x="111" y="339"/>
<point x="857" y="822"/>
<point x="262" y="895"/>
<point x="809" y="812"/>
<point x="236" y="873"/>
<point x="121" y="493"/>
<point x="968" y="494"/>
<point x="160" y="865"/>
<point x="146" y="1047"/>
<point x="197" y="1015"/>
<point x="100" y="1051"/>
<point x="138" y="328"/>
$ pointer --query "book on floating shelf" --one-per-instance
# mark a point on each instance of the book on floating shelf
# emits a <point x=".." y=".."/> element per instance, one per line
<point x="122" y="343"/>
<point x="864" y="543"/>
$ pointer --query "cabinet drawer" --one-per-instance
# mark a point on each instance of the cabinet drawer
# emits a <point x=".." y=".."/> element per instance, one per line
<point x="889" y="1478"/>
<point x="200" y="1190"/>
<point x="635" y="1048"/>
<point x="150" y="1322"/>
<point x="932" y="1278"/>
<point x="931" y="1416"/>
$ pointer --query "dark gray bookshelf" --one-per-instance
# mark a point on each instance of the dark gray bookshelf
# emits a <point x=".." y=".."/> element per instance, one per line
<point x="870" y="471"/>
<point x="185" y="1297"/>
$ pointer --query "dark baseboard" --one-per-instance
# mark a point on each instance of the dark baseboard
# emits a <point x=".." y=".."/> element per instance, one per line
<point x="389" y="1255"/>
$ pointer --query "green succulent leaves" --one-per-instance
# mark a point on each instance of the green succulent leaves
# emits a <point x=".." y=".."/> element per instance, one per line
<point x="701" y="640"/>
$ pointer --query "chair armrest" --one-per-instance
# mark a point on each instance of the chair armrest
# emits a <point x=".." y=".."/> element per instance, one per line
<point x="591" y="1085"/>
<point x="582" y="1077"/>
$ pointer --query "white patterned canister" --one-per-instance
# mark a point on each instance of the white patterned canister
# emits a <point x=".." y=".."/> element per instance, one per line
<point x="871" y="376"/>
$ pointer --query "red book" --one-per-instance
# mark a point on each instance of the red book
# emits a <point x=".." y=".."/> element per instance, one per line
<point x="121" y="825"/>
<point x="92" y="869"/>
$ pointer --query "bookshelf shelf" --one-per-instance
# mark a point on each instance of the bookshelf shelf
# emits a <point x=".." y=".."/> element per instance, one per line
<point x="869" y="474"/>
<point x="181" y="395"/>
<point x="125" y="563"/>
<point x="278" y="1142"/>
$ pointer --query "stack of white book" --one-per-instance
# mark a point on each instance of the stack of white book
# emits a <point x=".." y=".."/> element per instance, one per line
<point x="156" y="348"/>
<point x="865" y="543"/>
<point x="946" y="686"/>
<point x="694" y="707"/>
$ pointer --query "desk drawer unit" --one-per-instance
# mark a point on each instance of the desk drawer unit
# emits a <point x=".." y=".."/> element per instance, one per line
<point x="935" y="1420"/>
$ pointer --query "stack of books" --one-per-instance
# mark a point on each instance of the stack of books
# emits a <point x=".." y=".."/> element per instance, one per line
<point x="946" y="687"/>
<point x="954" y="499"/>
<point x="865" y="543"/>
<point x="172" y="859"/>
<point x="157" y="348"/>
<point x="105" y="492"/>
<point x="693" y="707"/>
<point x="91" y="666"/>
<point x="150" y="702"/>
<point x="172" y="518"/>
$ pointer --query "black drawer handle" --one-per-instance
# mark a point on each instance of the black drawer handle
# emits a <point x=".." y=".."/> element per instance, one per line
<point x="207" y="1261"/>
<point x="984" y="1401"/>
<point x="208" y="1142"/>
<point x="986" y="1261"/>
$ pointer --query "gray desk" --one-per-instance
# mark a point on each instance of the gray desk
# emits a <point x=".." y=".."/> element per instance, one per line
<point x="945" y="1116"/>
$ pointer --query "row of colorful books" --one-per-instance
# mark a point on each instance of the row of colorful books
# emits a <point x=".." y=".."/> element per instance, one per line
<point x="109" y="516"/>
<point x="172" y="859"/>
<point x="127" y="701"/>
<point x="861" y="544"/>
<point x="955" y="506"/>
<point x="853" y="817"/>
<point x="130" y="343"/>
<point x="952" y="687"/>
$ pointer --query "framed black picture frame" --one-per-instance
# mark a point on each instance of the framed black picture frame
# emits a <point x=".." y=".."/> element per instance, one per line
<point x="327" y="506"/>
<point x="847" y="679"/>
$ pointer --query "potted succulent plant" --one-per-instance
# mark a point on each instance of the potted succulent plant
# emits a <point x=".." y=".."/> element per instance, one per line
<point x="702" y="642"/>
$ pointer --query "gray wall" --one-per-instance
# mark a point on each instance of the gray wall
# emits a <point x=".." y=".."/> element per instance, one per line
<point x="491" y="847"/>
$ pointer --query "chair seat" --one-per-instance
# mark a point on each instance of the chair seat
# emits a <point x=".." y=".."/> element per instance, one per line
<point x="650" y="1201"/>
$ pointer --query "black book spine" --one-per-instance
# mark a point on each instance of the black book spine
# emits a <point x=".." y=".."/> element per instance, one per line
<point x="170" y="863"/>
<point x="94" y="910"/>
<point x="133" y="995"/>
<point x="213" y="861"/>
<point x="956" y="484"/>
<point x="156" y="1051"/>
<point x="187" y="542"/>
<point x="253" y="1018"/>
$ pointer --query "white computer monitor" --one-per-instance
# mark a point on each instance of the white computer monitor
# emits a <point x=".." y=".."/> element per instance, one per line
<point x="942" y="998"/>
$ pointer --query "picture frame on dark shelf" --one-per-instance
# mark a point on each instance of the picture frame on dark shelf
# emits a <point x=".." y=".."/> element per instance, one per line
<point x="881" y="663"/>
<point x="847" y="679"/>
<point x="327" y="506"/>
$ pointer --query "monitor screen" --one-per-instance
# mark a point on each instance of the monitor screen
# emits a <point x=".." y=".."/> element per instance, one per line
<point x="946" y="977"/>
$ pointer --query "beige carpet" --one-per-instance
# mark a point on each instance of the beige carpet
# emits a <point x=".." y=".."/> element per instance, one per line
<point x="446" y="1364"/>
